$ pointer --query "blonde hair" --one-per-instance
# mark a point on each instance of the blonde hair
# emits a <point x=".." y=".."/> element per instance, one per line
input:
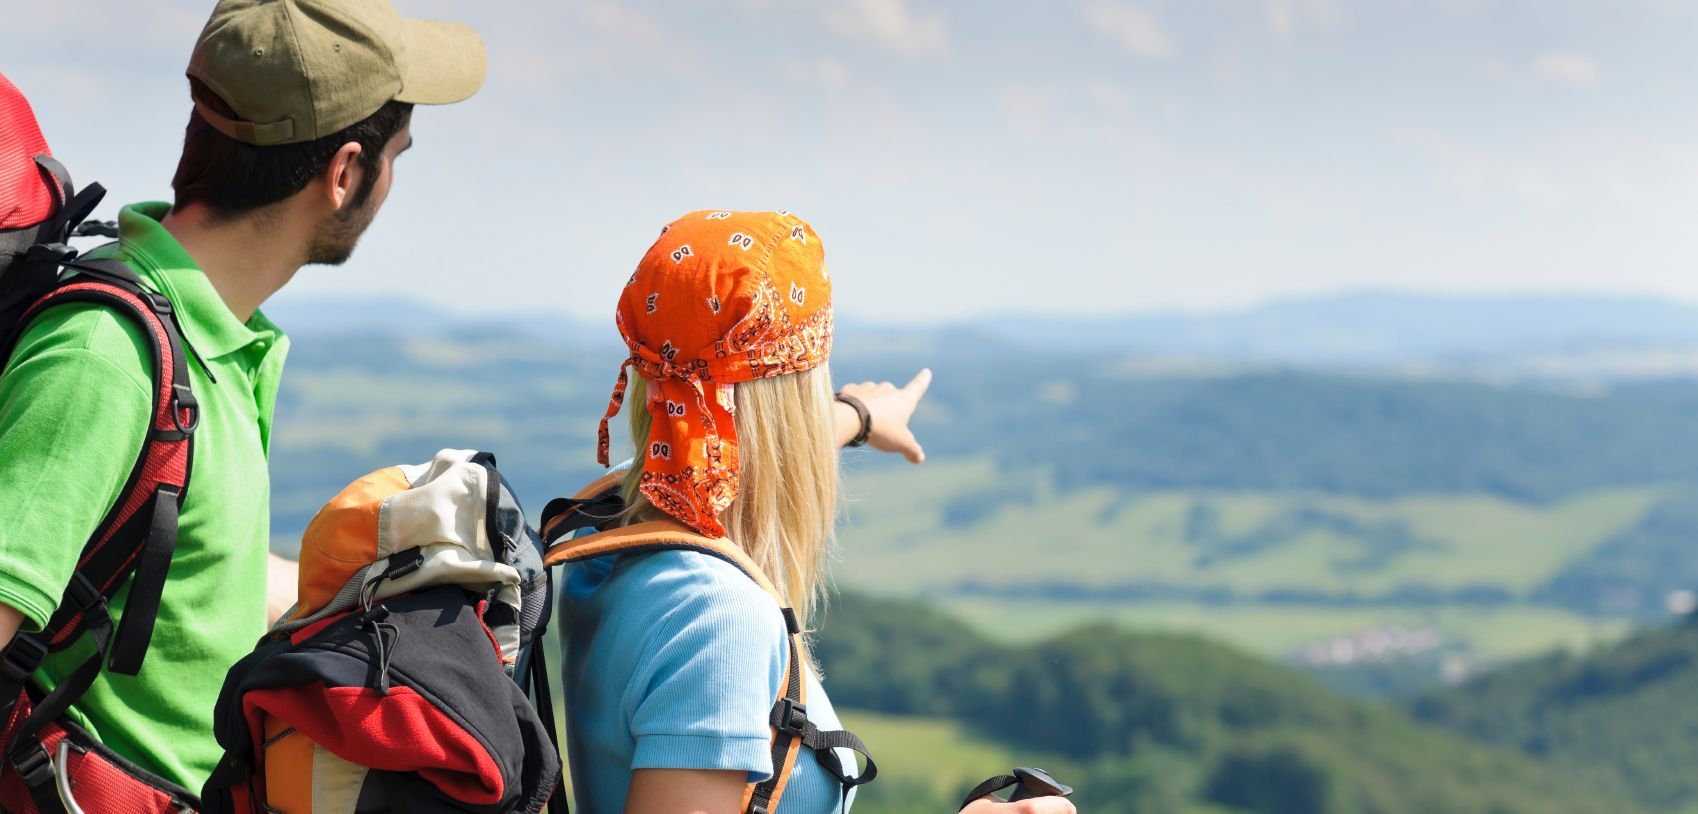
<point x="785" y="513"/>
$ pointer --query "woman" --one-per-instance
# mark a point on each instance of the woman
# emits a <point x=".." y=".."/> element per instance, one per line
<point x="673" y="660"/>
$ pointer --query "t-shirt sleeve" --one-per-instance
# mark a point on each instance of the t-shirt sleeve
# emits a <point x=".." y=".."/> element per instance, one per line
<point x="74" y="409"/>
<point x="709" y="675"/>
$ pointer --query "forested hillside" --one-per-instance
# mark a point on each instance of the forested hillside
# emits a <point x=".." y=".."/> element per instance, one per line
<point x="1289" y="431"/>
<point x="1623" y="720"/>
<point x="1160" y="724"/>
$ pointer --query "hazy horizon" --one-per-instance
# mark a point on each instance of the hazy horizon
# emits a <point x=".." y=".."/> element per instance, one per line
<point x="1085" y="155"/>
<point x="295" y="297"/>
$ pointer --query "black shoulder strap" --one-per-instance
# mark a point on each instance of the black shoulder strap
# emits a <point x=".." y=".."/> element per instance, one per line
<point x="70" y="206"/>
<point x="58" y="180"/>
<point x="790" y="724"/>
<point x="543" y="696"/>
<point x="564" y="516"/>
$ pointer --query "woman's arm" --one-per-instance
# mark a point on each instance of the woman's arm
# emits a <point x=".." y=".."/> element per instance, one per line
<point x="685" y="791"/>
<point x="282" y="576"/>
<point x="890" y="407"/>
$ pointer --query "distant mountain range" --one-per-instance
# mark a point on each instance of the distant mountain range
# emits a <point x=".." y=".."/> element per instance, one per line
<point x="1545" y="335"/>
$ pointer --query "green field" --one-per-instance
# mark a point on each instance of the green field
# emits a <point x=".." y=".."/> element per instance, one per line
<point x="1275" y="631"/>
<point x="1067" y="554"/>
<point x="932" y="754"/>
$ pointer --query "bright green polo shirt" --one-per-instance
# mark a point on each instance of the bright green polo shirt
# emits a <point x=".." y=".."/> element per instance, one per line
<point x="75" y="402"/>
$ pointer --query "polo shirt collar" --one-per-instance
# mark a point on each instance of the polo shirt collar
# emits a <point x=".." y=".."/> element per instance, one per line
<point x="162" y="262"/>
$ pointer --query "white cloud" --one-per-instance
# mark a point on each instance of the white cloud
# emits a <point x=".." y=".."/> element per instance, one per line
<point x="831" y="73"/>
<point x="1575" y="171"/>
<point x="1569" y="68"/>
<point x="1108" y="97"/>
<point x="1030" y="109"/>
<point x="1131" y="27"/>
<point x="828" y="73"/>
<point x="1282" y="18"/>
<point x="623" y="24"/>
<point x="1287" y="17"/>
<point x="890" y="24"/>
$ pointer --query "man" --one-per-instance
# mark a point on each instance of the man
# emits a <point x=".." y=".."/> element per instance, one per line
<point x="300" y="110"/>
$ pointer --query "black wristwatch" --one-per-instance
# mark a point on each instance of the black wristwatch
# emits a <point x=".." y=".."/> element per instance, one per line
<point x="860" y="409"/>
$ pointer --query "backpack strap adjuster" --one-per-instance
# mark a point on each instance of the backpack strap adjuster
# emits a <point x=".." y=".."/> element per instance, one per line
<point x="31" y="761"/>
<point x="83" y="595"/>
<point x="160" y="304"/>
<point x="790" y="717"/>
<point x="88" y="602"/>
<point x="21" y="659"/>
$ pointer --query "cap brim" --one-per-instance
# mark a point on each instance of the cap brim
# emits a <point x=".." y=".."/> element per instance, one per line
<point x="446" y="63"/>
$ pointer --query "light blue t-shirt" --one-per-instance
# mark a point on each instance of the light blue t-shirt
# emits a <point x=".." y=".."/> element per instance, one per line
<point x="672" y="661"/>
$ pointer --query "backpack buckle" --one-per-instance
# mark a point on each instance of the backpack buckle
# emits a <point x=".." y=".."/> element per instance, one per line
<point x="21" y="658"/>
<point x="183" y="401"/>
<point x="53" y="253"/>
<point x="82" y="593"/>
<point x="32" y="763"/>
<point x="88" y="601"/>
<point x="158" y="302"/>
<point x="790" y="717"/>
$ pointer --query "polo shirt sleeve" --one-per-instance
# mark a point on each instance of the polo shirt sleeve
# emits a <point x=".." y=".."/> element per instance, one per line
<point x="75" y="403"/>
<point x="709" y="671"/>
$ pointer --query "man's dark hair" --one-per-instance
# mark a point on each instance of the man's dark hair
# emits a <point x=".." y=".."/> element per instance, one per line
<point x="232" y="177"/>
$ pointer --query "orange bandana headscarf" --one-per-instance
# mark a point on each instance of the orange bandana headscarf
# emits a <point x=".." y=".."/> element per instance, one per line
<point x="722" y="297"/>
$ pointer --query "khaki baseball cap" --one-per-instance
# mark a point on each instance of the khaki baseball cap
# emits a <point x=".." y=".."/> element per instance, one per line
<point x="299" y="70"/>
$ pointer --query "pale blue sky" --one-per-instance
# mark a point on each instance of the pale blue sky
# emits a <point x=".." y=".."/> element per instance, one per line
<point x="983" y="156"/>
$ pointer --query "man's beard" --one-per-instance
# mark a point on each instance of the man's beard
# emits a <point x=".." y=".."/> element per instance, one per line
<point x="337" y="234"/>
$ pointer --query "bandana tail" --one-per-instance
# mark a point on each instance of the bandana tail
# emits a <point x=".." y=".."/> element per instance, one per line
<point x="686" y="453"/>
<point x="613" y="405"/>
<point x="719" y="487"/>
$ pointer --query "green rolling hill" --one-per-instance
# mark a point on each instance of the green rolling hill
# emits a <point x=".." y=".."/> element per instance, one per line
<point x="1621" y="719"/>
<point x="1150" y="723"/>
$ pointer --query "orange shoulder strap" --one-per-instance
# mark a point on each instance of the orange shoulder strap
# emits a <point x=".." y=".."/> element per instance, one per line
<point x="656" y="535"/>
<point x="670" y="535"/>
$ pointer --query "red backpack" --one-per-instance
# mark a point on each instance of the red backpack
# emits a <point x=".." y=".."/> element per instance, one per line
<point x="50" y="764"/>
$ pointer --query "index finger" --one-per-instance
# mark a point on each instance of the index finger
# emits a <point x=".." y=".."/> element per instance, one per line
<point x="917" y="386"/>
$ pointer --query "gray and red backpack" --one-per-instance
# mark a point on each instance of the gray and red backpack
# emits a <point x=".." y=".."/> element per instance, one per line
<point x="50" y="764"/>
<point x="387" y="687"/>
<point x="397" y="682"/>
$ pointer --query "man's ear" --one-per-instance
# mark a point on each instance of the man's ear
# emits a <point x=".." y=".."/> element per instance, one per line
<point x="342" y="175"/>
